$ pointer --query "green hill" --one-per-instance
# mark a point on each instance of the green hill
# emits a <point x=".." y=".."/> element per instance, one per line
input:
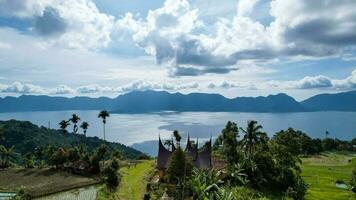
<point x="26" y="136"/>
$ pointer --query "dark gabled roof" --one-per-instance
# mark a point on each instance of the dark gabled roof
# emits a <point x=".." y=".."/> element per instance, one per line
<point x="163" y="156"/>
<point x="204" y="157"/>
<point x="200" y="159"/>
<point x="190" y="150"/>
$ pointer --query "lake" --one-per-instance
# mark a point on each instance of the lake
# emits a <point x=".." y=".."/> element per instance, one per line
<point x="137" y="128"/>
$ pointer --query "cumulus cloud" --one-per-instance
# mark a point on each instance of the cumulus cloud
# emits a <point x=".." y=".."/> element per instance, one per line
<point x="94" y="88"/>
<point x="299" y="28"/>
<point x="317" y="82"/>
<point x="141" y="85"/>
<point x="22" y="88"/>
<point x="232" y="84"/>
<point x="347" y="83"/>
<point x="77" y="24"/>
<point x="62" y="89"/>
<point x="313" y="82"/>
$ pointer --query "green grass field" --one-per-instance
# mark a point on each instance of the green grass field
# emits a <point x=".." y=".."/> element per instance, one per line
<point x="133" y="182"/>
<point x="321" y="173"/>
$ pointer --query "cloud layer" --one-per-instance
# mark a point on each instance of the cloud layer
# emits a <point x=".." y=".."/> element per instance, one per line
<point x="308" y="82"/>
<point x="173" y="34"/>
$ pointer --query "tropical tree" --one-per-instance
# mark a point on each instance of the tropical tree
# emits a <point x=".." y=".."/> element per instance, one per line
<point x="180" y="167"/>
<point x="1" y="133"/>
<point x="75" y="119"/>
<point x="252" y="137"/>
<point x="6" y="154"/>
<point x="58" y="158"/>
<point x="228" y="141"/>
<point x="63" y="125"/>
<point x="84" y="126"/>
<point x="40" y="153"/>
<point x="103" y="115"/>
<point x="177" y="136"/>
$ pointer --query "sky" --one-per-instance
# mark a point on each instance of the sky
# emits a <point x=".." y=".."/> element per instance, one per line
<point x="231" y="47"/>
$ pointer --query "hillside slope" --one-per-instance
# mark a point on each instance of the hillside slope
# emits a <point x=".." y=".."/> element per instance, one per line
<point x="26" y="136"/>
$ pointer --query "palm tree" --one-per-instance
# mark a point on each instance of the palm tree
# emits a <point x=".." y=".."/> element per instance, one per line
<point x="103" y="115"/>
<point x="75" y="119"/>
<point x="177" y="136"/>
<point x="252" y="136"/>
<point x="84" y="126"/>
<point x="6" y="154"/>
<point x="63" y="126"/>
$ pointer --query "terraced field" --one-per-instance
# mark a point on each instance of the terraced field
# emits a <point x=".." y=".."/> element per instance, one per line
<point x="321" y="173"/>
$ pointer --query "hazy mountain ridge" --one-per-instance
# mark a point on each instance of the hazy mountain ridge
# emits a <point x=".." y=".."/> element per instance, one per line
<point x="155" y="101"/>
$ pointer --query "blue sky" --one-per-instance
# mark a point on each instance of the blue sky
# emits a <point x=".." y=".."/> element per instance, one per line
<point x="231" y="47"/>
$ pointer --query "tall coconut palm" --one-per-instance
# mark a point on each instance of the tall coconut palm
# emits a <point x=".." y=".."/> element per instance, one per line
<point x="75" y="119"/>
<point x="84" y="126"/>
<point x="6" y="154"/>
<point x="177" y="136"/>
<point x="103" y="115"/>
<point x="252" y="136"/>
<point x="63" y="126"/>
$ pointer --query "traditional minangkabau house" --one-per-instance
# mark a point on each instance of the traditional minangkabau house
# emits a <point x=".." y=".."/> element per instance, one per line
<point x="201" y="158"/>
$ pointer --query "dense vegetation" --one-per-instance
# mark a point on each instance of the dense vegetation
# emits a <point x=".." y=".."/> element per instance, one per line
<point x="26" y="137"/>
<point x="258" y="167"/>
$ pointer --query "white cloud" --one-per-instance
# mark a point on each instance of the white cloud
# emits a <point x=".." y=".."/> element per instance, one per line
<point x="22" y="88"/>
<point x="245" y="7"/>
<point x="94" y="88"/>
<point x="5" y="46"/>
<point x="232" y="84"/>
<point x="313" y="82"/>
<point x="347" y="83"/>
<point x="317" y="82"/>
<point x="141" y="85"/>
<point x="301" y="28"/>
<point x="76" y="24"/>
<point x="62" y="89"/>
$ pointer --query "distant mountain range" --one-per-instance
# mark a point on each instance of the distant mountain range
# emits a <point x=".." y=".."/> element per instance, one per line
<point x="155" y="101"/>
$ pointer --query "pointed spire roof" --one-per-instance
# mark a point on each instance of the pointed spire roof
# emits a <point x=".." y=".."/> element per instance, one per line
<point x="163" y="155"/>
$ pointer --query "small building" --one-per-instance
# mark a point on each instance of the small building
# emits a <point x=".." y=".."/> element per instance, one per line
<point x="201" y="157"/>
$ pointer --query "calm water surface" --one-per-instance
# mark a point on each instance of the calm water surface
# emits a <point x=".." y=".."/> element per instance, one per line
<point x="135" y="128"/>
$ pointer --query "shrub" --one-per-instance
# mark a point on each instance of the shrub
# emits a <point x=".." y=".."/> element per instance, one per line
<point x="23" y="195"/>
<point x="29" y="161"/>
<point x="353" y="180"/>
<point x="110" y="174"/>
